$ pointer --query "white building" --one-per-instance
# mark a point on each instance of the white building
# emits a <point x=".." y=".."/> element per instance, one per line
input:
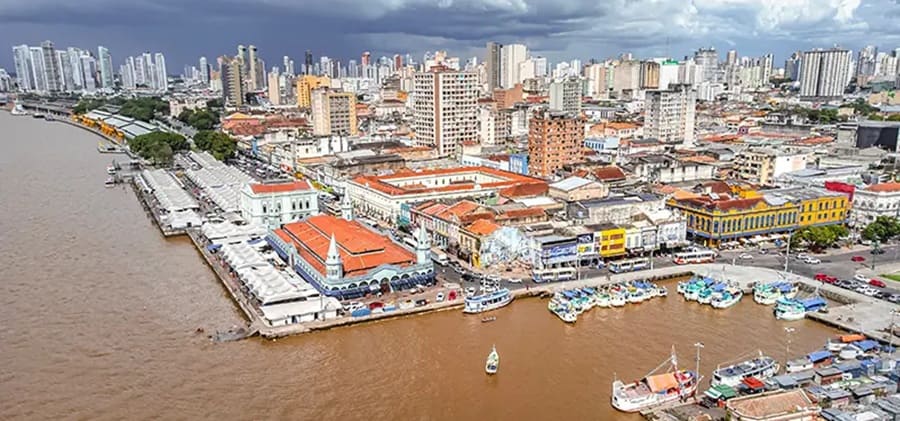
<point x="670" y="114"/>
<point x="565" y="95"/>
<point x="487" y="126"/>
<point x="511" y="56"/>
<point x="274" y="205"/>
<point x="874" y="201"/>
<point x="445" y="109"/>
<point x="824" y="73"/>
<point x="104" y="60"/>
<point x="765" y="166"/>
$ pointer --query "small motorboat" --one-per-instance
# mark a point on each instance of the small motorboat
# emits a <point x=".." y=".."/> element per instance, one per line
<point x="111" y="170"/>
<point x="110" y="182"/>
<point x="488" y="319"/>
<point x="493" y="362"/>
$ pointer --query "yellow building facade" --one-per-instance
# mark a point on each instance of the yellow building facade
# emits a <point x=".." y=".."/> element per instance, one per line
<point x="305" y="85"/>
<point x="611" y="241"/>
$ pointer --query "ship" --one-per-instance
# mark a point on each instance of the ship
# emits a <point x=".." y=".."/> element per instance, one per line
<point x="655" y="389"/>
<point x="488" y="301"/>
<point x="760" y="367"/>
<point x="793" y="309"/>
<point x="768" y="294"/>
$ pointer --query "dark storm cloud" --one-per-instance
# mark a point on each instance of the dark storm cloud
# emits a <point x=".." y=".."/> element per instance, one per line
<point x="185" y="30"/>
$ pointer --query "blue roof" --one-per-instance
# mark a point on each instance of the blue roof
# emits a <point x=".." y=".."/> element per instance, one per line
<point x="866" y="345"/>
<point x="819" y="356"/>
<point x="814" y="302"/>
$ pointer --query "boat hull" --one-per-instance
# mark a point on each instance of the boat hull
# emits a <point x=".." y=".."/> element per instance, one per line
<point x="652" y="401"/>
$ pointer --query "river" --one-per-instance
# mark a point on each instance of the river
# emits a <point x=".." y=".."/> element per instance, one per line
<point x="98" y="314"/>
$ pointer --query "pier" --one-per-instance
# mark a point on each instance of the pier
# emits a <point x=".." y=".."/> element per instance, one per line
<point x="147" y="202"/>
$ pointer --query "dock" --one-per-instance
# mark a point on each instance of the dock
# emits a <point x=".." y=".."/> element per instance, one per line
<point x="147" y="203"/>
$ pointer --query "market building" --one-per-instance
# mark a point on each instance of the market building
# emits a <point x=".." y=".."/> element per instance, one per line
<point x="274" y="205"/>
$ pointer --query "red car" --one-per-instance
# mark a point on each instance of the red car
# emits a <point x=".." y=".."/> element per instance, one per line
<point x="877" y="283"/>
<point x="858" y="259"/>
<point x="825" y="278"/>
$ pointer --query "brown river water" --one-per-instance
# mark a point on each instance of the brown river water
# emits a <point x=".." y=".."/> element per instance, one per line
<point x="98" y="316"/>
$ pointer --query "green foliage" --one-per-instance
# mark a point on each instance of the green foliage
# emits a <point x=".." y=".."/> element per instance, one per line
<point x="820" y="237"/>
<point x="219" y="144"/>
<point x="893" y="117"/>
<point x="158" y="147"/>
<point x="202" y="119"/>
<point x="821" y="116"/>
<point x="217" y="103"/>
<point x="143" y="108"/>
<point x="875" y="117"/>
<point x="882" y="229"/>
<point x="87" y="104"/>
<point x="861" y="107"/>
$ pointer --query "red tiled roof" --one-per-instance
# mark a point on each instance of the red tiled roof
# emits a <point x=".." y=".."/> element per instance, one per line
<point x="482" y="227"/>
<point x="884" y="187"/>
<point x="279" y="188"/>
<point x="360" y="248"/>
<point x="609" y="173"/>
<point x="525" y="190"/>
<point x="507" y="179"/>
<point x="458" y="209"/>
<point x="520" y="213"/>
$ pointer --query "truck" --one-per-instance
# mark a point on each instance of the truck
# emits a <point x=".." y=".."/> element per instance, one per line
<point x="440" y="258"/>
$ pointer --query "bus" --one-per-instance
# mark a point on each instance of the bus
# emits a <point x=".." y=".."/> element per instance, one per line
<point x="553" y="275"/>
<point x="629" y="265"/>
<point x="697" y="256"/>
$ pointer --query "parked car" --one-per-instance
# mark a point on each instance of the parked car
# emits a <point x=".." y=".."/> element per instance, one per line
<point x="440" y="297"/>
<point x="894" y="298"/>
<point x="860" y="278"/>
<point x="847" y="284"/>
<point x="812" y="261"/>
<point x="869" y="291"/>
<point x="746" y="256"/>
<point x="802" y="256"/>
<point x="820" y="276"/>
<point x="877" y="283"/>
<point x="858" y="259"/>
<point x="515" y="280"/>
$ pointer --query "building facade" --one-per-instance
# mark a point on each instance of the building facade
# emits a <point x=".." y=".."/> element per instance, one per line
<point x="445" y="109"/>
<point x="333" y="113"/>
<point x="766" y="166"/>
<point x="670" y="114"/>
<point x="273" y="205"/>
<point x="824" y="74"/>
<point x="876" y="200"/>
<point x="565" y="95"/>
<point x="305" y="86"/>
<point x="554" y="140"/>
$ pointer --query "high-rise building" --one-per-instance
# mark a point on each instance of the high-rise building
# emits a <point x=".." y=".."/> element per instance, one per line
<point x="493" y="65"/>
<point x="598" y="84"/>
<point x="24" y="68"/>
<point x="445" y="107"/>
<point x="38" y="72"/>
<point x="398" y="62"/>
<point x="67" y="84"/>
<point x="230" y="72"/>
<point x="365" y="59"/>
<point x="162" y="76"/>
<point x="626" y="78"/>
<point x="274" y="87"/>
<point x="89" y="67"/>
<point x="204" y="70"/>
<point x="290" y="68"/>
<point x="305" y="86"/>
<point x="707" y="60"/>
<point x="286" y="64"/>
<point x="650" y="75"/>
<point x="308" y="62"/>
<point x="565" y="95"/>
<point x="540" y="66"/>
<point x="731" y="58"/>
<point x="792" y="66"/>
<point x="51" y="67"/>
<point x="866" y="61"/>
<point x="510" y="56"/>
<point x="824" y="73"/>
<point x="333" y="113"/>
<point x="668" y="73"/>
<point x="107" y="80"/>
<point x="77" y="70"/>
<point x="670" y="114"/>
<point x="554" y="139"/>
<point x="243" y="60"/>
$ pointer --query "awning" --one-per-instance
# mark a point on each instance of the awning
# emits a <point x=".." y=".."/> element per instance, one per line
<point x="662" y="382"/>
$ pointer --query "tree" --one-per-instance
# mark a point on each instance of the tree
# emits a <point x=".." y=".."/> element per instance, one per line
<point x="219" y="144"/>
<point x="158" y="147"/>
<point x="87" y="104"/>
<point x="882" y="229"/>
<point x="875" y="117"/>
<point x="819" y="237"/>
<point x="143" y="108"/>
<point x="894" y="117"/>
<point x="201" y="119"/>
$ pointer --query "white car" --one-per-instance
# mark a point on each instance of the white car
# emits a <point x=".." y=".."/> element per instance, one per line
<point x="746" y="256"/>
<point x="440" y="297"/>
<point x="812" y="261"/>
<point x="860" y="278"/>
<point x="470" y="291"/>
<point x="493" y="278"/>
<point x="802" y="256"/>
<point x="869" y="291"/>
<point x="515" y="280"/>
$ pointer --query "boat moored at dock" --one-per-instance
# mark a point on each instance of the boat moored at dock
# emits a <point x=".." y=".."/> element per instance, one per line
<point x="655" y="389"/>
<point x="760" y="367"/>
<point x="488" y="301"/>
<point x="794" y="309"/>
<point x="769" y="293"/>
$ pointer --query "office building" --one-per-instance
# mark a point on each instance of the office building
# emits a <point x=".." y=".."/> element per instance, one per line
<point x="162" y="76"/>
<point x="493" y="66"/>
<point x="565" y="95"/>
<point x="232" y="82"/>
<point x="510" y="56"/>
<point x="445" y="109"/>
<point x="824" y="74"/>
<point x="305" y="86"/>
<point x="707" y="60"/>
<point x="104" y="59"/>
<point x="554" y="140"/>
<point x="670" y="114"/>
<point x="204" y="70"/>
<point x="23" y="66"/>
<point x="333" y="113"/>
<point x="51" y="67"/>
<point x="274" y="87"/>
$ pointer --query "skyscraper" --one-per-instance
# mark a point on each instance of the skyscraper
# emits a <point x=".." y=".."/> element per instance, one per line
<point x="540" y="66"/>
<point x="493" y="66"/>
<point x="565" y="95"/>
<point x="366" y="58"/>
<point x="707" y="60"/>
<point x="89" y="67"/>
<point x="286" y="65"/>
<point x="255" y="81"/>
<point x="866" y="60"/>
<point x="38" y="73"/>
<point x="308" y="61"/>
<point x="792" y="66"/>
<point x="670" y="114"/>
<point x="106" y="68"/>
<point x="51" y="67"/>
<point x="274" y="88"/>
<point x="445" y="109"/>
<point x="77" y="70"/>
<point x="23" y="65"/>
<point x="162" y="76"/>
<point x="204" y="70"/>
<point x="65" y="71"/>
<point x="824" y="73"/>
<point x="230" y="72"/>
<point x="511" y="55"/>
<point x="731" y="58"/>
<point x="554" y="140"/>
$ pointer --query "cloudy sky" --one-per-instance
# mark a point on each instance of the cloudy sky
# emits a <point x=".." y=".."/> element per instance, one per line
<point x="558" y="29"/>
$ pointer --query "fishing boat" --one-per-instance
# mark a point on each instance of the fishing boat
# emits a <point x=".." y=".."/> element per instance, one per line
<point x="618" y="300"/>
<point x="493" y="362"/>
<point x="768" y="294"/>
<point x="760" y="367"/>
<point x="859" y="349"/>
<point x="692" y="291"/>
<point x="602" y="299"/>
<point x="730" y="297"/>
<point x="562" y="309"/>
<point x="810" y="361"/>
<point x="638" y="295"/>
<point x="839" y="343"/>
<point x="706" y="296"/>
<point x="488" y="301"/>
<point x="793" y="309"/>
<point x="655" y="389"/>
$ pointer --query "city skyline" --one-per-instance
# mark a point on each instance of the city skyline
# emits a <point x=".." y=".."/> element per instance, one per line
<point x="561" y="32"/>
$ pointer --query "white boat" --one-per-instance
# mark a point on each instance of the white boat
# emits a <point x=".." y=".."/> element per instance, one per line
<point x="493" y="362"/>
<point x="762" y="367"/>
<point x="617" y="300"/>
<point x="662" y="291"/>
<point x="792" y="309"/>
<point x="488" y="301"/>
<point x="111" y="170"/>
<point x="768" y="294"/>
<point x="602" y="300"/>
<point x="639" y="295"/>
<point x="842" y="341"/>
<point x="110" y="182"/>
<point x="654" y="390"/>
<point x="729" y="298"/>
<point x="800" y="364"/>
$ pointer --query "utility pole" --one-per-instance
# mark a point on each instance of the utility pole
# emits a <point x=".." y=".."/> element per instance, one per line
<point x="699" y="346"/>
<point x="787" y="253"/>
<point x="787" y="347"/>
<point x="891" y="332"/>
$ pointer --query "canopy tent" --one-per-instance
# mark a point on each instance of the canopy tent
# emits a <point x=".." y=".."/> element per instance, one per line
<point x="662" y="382"/>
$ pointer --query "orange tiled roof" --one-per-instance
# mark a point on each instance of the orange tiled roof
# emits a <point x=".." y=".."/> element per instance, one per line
<point x="617" y="125"/>
<point x="507" y="180"/>
<point x="525" y="190"/>
<point x="884" y="187"/>
<point x="609" y="173"/>
<point x="520" y="213"/>
<point x="360" y="248"/>
<point x="279" y="188"/>
<point x="482" y="227"/>
<point x="458" y="209"/>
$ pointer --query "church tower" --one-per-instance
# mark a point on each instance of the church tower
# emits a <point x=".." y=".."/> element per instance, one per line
<point x="346" y="207"/>
<point x="334" y="269"/>
<point x="423" y="246"/>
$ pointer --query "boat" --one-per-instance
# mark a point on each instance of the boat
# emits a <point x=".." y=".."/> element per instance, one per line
<point x="768" y="294"/>
<point x="618" y="300"/>
<point x="662" y="291"/>
<point x="488" y="319"/>
<point x="692" y="290"/>
<point x="793" y="309"/>
<point x="488" y="301"/>
<point x="858" y="349"/>
<point x="655" y="389"/>
<point x="706" y="296"/>
<point x="760" y="367"/>
<point x="493" y="362"/>
<point x="842" y="341"/>
<point x="810" y="361"/>
<point x="602" y="299"/>
<point x="730" y="297"/>
<point x="638" y="295"/>
<point x="110" y="182"/>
